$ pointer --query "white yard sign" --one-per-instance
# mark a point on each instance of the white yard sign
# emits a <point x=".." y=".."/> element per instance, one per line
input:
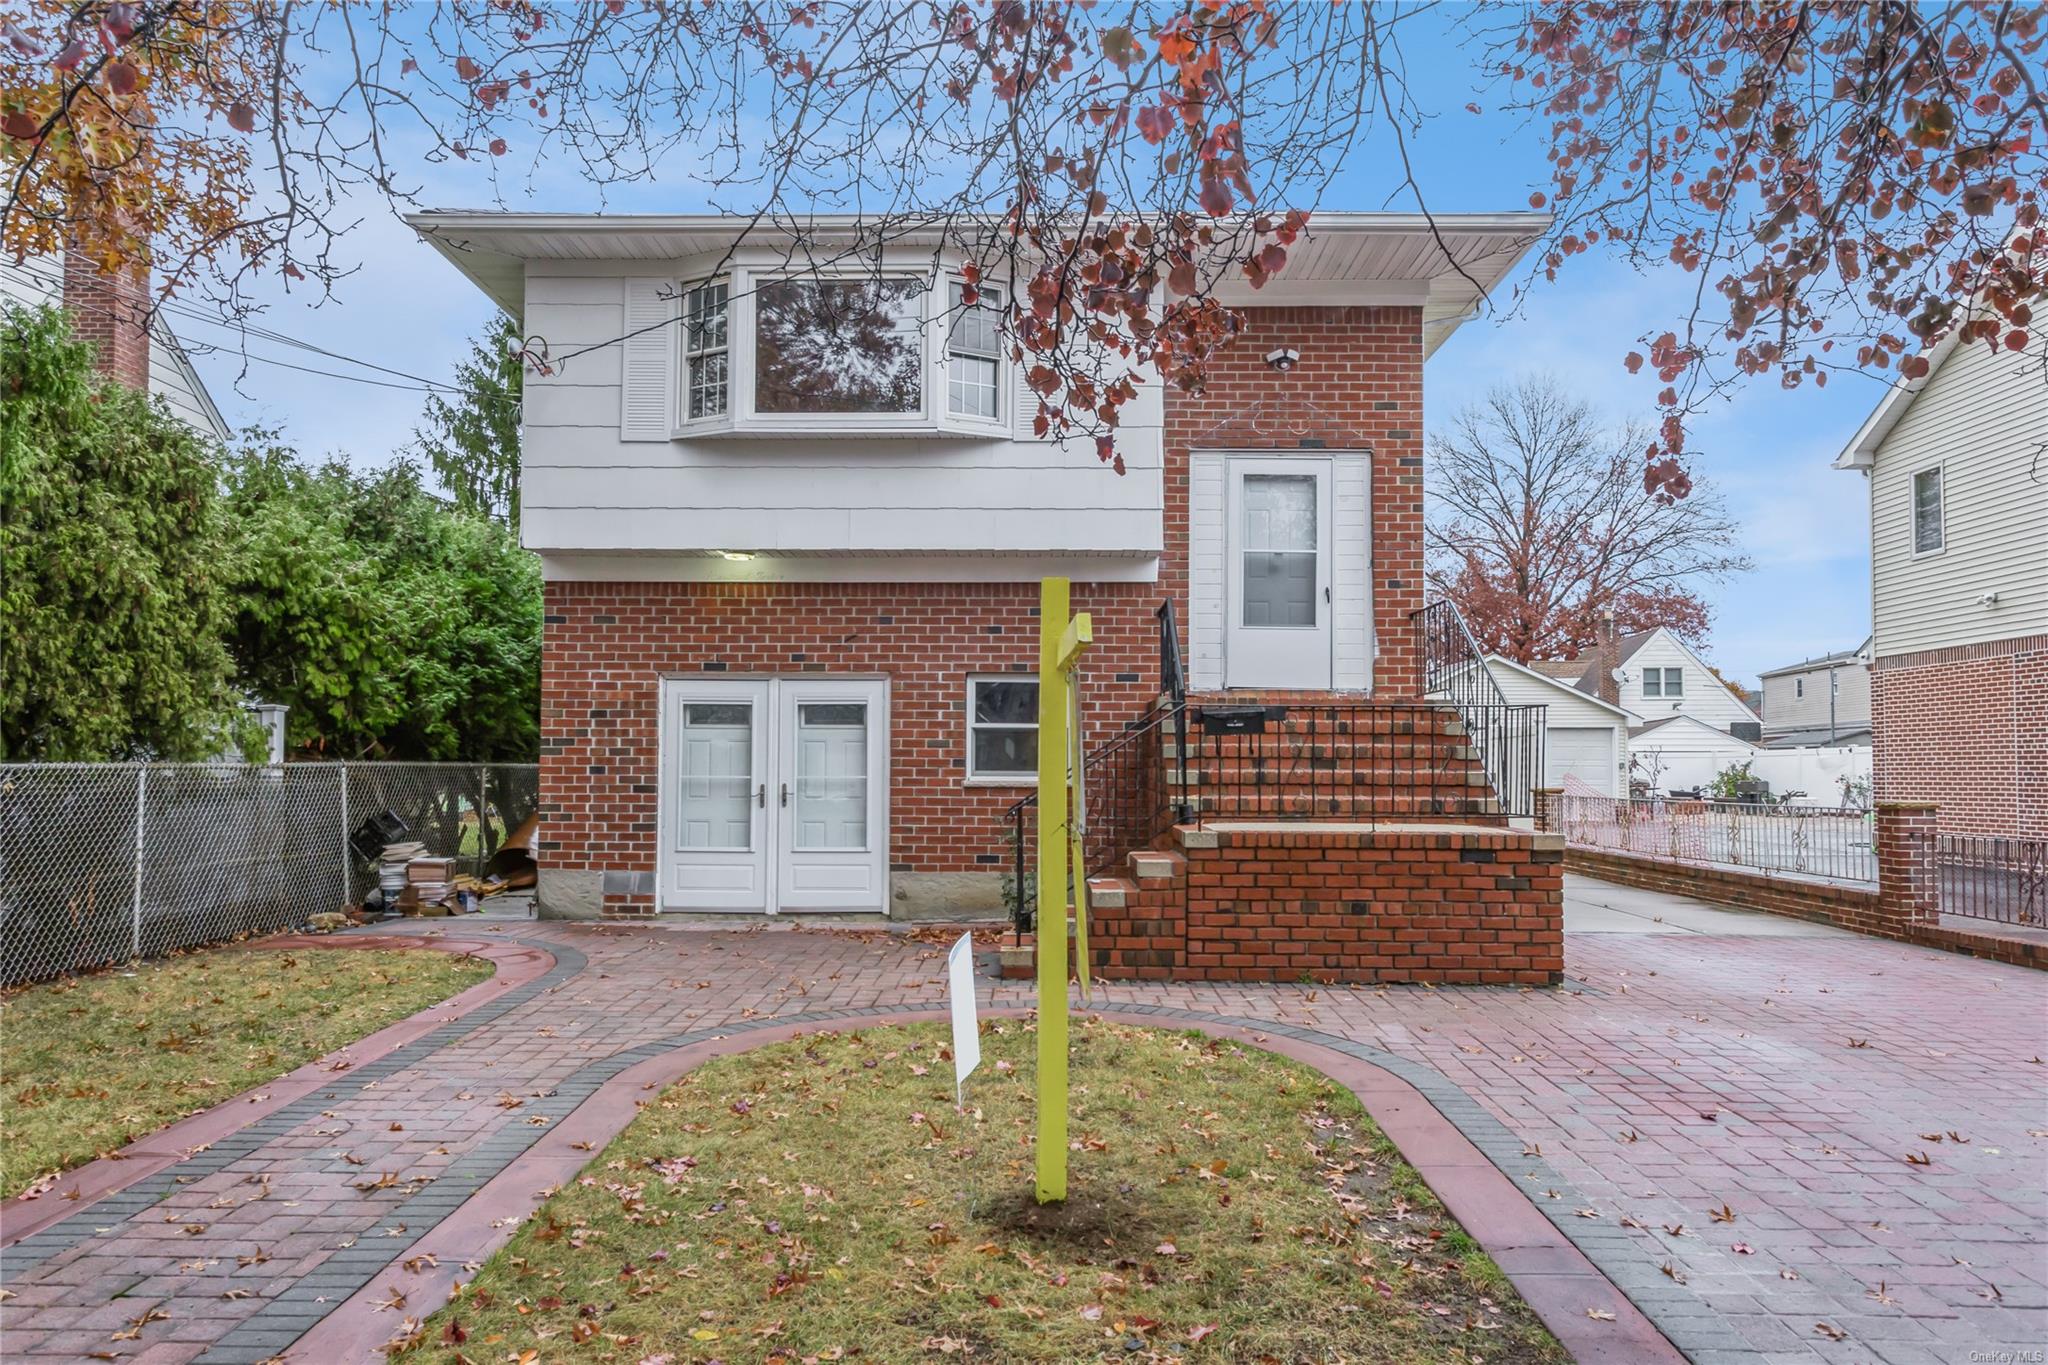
<point x="966" y="1028"/>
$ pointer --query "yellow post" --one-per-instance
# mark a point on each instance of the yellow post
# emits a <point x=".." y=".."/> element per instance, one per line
<point x="1053" y="603"/>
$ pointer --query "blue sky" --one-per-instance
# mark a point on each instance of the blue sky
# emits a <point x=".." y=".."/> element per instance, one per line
<point x="1767" y="450"/>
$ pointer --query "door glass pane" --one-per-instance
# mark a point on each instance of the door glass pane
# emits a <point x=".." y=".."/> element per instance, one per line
<point x="829" y="806"/>
<point x="717" y="753"/>
<point x="1279" y="550"/>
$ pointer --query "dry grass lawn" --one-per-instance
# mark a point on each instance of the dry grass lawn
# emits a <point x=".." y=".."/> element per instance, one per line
<point x="91" y="1063"/>
<point x="823" y="1200"/>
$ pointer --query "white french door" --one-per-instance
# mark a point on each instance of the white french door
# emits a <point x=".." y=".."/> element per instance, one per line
<point x="1278" y="609"/>
<point x="773" y="794"/>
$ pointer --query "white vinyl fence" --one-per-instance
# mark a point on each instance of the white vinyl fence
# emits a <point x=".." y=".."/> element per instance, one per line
<point x="107" y="862"/>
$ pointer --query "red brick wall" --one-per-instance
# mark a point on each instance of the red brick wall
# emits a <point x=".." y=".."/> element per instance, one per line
<point x="112" y="312"/>
<point x="1361" y="370"/>
<point x="1967" y="729"/>
<point x="1456" y="906"/>
<point x="606" y="645"/>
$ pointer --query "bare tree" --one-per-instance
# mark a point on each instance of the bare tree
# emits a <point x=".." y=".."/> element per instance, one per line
<point x="1846" y="178"/>
<point x="1538" y="522"/>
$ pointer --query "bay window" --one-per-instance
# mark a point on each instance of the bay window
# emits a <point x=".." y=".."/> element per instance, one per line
<point x="760" y="352"/>
<point x="839" y="346"/>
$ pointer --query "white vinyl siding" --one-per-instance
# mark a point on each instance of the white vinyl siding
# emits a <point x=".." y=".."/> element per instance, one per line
<point x="1700" y="693"/>
<point x="1786" y="709"/>
<point x="1570" y="721"/>
<point x="605" y="475"/>
<point x="1983" y="420"/>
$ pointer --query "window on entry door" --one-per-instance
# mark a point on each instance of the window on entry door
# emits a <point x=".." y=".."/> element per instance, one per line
<point x="1279" y="550"/>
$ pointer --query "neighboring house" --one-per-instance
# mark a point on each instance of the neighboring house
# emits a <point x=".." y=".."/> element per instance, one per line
<point x="1823" y="701"/>
<point x="1584" y="737"/>
<point x="1957" y="467"/>
<point x="134" y="346"/>
<point x="1647" y="678"/>
<point x="1683" y="753"/>
<point x="792" y="584"/>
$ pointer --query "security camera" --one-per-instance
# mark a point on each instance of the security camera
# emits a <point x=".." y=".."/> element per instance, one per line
<point x="1989" y="599"/>
<point x="1283" y="358"/>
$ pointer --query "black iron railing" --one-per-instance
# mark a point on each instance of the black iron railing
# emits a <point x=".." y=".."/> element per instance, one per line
<point x="1454" y="670"/>
<point x="1993" y="878"/>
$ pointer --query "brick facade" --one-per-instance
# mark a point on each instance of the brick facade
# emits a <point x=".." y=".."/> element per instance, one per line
<point x="1358" y="386"/>
<point x="1451" y="904"/>
<point x="607" y="644"/>
<point x="1967" y="729"/>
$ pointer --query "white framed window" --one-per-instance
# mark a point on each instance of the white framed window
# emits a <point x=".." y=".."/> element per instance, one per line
<point x="851" y="346"/>
<point x="1663" y="682"/>
<point x="707" y="351"/>
<point x="974" y="354"/>
<point x="1002" y="729"/>
<point x="1930" y="534"/>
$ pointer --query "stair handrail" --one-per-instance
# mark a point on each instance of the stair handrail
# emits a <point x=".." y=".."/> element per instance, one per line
<point x="1454" y="667"/>
<point x="1173" y="670"/>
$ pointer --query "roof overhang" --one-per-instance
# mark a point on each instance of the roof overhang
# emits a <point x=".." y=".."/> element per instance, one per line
<point x="1861" y="452"/>
<point x="1444" y="264"/>
<point x="1557" y="684"/>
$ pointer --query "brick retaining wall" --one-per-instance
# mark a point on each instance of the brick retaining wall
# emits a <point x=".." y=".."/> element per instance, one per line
<point x="1451" y="904"/>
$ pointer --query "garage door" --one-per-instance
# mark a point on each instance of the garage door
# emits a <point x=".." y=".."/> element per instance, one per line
<point x="1587" y="754"/>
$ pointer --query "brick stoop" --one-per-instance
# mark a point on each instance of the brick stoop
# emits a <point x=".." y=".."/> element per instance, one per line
<point x="1331" y="756"/>
<point x="1337" y="902"/>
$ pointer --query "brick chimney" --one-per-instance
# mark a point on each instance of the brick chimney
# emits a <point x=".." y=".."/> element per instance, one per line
<point x="1606" y="658"/>
<point x="112" y="312"/>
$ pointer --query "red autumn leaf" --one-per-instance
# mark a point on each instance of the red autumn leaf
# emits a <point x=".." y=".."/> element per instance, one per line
<point x="467" y="69"/>
<point x="121" y="78"/>
<point x="241" y="117"/>
<point x="20" y="123"/>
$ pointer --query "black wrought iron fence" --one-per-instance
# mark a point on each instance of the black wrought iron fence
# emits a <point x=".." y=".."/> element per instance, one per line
<point x="1992" y="878"/>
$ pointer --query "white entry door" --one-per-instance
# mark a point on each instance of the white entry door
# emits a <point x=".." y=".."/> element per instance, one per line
<point x="773" y="795"/>
<point x="1277" y="630"/>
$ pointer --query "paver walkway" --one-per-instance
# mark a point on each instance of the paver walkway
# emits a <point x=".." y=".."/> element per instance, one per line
<point x="1694" y="1061"/>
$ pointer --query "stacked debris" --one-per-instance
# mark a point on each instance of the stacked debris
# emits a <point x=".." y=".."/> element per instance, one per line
<point x="412" y="881"/>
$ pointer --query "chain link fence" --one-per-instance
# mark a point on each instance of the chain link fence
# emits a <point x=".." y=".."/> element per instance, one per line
<point x="103" y="863"/>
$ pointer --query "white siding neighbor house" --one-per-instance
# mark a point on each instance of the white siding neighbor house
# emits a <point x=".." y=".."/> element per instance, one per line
<point x="1818" y="701"/>
<point x="1957" y="467"/>
<point x="1584" y="737"/>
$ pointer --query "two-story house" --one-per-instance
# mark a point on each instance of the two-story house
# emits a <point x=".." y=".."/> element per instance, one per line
<point x="1818" y="701"/>
<point x="792" y="520"/>
<point x="1957" y="467"/>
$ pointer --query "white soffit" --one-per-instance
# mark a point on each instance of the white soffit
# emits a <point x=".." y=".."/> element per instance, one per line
<point x="1444" y="264"/>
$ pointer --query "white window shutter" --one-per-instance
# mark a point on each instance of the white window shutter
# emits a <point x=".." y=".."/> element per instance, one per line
<point x="648" y="379"/>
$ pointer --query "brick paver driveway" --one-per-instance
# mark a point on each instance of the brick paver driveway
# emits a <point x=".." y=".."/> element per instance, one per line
<point x="1738" y="1107"/>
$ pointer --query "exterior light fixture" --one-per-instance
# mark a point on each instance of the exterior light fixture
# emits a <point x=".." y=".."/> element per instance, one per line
<point x="1283" y="358"/>
<point x="737" y="556"/>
